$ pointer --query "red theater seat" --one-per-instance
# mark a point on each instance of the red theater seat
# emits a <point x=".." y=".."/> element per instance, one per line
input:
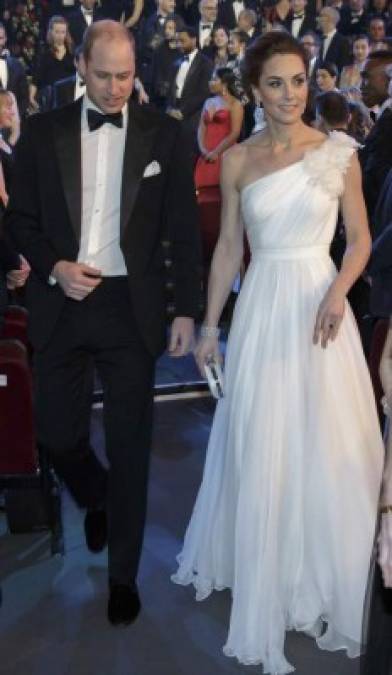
<point x="15" y="324"/>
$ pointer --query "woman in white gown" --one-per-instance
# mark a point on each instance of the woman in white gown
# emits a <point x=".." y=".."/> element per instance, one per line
<point x="286" y="512"/>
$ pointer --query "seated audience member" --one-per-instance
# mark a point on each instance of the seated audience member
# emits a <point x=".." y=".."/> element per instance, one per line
<point x="377" y="29"/>
<point x="332" y="112"/>
<point x="190" y="87"/>
<point x="247" y="22"/>
<point x="376" y="155"/>
<point x="164" y="59"/>
<point x="351" y="75"/>
<point x="12" y="74"/>
<point x="327" y="76"/>
<point x="151" y="36"/>
<point x="299" y="21"/>
<point x="218" y="49"/>
<point x="70" y="88"/>
<point x="380" y="9"/>
<point x="360" y="121"/>
<point x="311" y="43"/>
<point x="353" y="18"/>
<point x="238" y="42"/>
<point x="276" y="13"/>
<point x="229" y="11"/>
<point x="85" y="13"/>
<point x="335" y="47"/>
<point x="55" y="63"/>
<point x="208" y="13"/>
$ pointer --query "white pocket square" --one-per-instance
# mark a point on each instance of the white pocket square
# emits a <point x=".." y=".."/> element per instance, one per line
<point x="152" y="169"/>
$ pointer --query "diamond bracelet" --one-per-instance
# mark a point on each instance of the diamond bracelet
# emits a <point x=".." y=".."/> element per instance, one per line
<point x="209" y="332"/>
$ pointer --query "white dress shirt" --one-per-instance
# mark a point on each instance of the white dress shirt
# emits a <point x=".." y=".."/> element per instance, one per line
<point x="102" y="163"/>
<point x="296" y="25"/>
<point x="205" y="30"/>
<point x="327" y="41"/>
<point x="183" y="72"/>
<point x="238" y="7"/>
<point x="88" y="15"/>
<point x="3" y="73"/>
<point x="80" y="88"/>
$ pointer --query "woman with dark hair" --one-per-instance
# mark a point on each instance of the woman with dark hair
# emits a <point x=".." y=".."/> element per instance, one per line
<point x="55" y="63"/>
<point x="286" y="512"/>
<point x="217" y="51"/>
<point x="219" y="128"/>
<point x="327" y="77"/>
<point x="351" y="75"/>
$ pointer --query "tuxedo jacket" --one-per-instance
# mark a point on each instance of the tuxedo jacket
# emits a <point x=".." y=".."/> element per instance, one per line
<point x="17" y="83"/>
<point x="380" y="266"/>
<point x="376" y="161"/>
<point x="339" y="52"/>
<point x="43" y="217"/>
<point x="226" y="14"/>
<point x="64" y="91"/>
<point x="308" y="24"/>
<point x="77" y="24"/>
<point x="348" y="26"/>
<point x="196" y="89"/>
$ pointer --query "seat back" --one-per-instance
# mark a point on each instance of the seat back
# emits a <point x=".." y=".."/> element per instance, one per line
<point x="15" y="325"/>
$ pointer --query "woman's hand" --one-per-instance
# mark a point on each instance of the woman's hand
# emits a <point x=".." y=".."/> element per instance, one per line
<point x="329" y="316"/>
<point x="212" y="156"/>
<point x="385" y="549"/>
<point x="207" y="348"/>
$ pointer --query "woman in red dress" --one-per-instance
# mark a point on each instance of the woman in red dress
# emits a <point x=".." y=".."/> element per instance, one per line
<point x="219" y="128"/>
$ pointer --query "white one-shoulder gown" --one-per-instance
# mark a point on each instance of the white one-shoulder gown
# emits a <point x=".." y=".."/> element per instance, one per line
<point x="285" y="515"/>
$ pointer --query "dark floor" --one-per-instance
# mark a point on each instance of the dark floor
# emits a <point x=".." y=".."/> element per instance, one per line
<point x="52" y="620"/>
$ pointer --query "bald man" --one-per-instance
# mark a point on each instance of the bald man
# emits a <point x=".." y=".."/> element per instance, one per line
<point x="98" y="185"/>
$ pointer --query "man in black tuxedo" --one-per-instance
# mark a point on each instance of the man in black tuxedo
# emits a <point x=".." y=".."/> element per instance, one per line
<point x="376" y="156"/>
<point x="230" y="10"/>
<point x="12" y="75"/>
<point x="354" y="18"/>
<point x="190" y="83"/>
<point x="79" y="20"/>
<point x="299" y="21"/>
<point x="208" y="12"/>
<point x="97" y="186"/>
<point x="380" y="266"/>
<point x="151" y="36"/>
<point x="335" y="48"/>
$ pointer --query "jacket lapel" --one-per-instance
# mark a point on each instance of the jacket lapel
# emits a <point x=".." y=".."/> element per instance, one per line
<point x="138" y="146"/>
<point x="191" y="71"/>
<point x="67" y="142"/>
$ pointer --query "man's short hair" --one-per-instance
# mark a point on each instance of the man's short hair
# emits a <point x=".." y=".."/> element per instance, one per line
<point x="333" y="108"/>
<point x="242" y="37"/>
<point x="106" y="29"/>
<point x="190" y="31"/>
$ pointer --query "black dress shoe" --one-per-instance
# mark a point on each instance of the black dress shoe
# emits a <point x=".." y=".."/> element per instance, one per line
<point x="96" y="530"/>
<point x="124" y="604"/>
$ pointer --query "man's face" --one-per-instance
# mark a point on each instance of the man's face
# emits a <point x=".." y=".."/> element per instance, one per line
<point x="167" y="6"/>
<point x="374" y="83"/>
<point x="356" y="5"/>
<point x="208" y="10"/>
<point x="377" y="30"/>
<point x="298" y="6"/>
<point x="88" y="4"/>
<point x="3" y="39"/>
<point x="109" y="73"/>
<point x="233" y="46"/>
<point x="186" y="43"/>
<point x="325" y="21"/>
<point x="310" y="45"/>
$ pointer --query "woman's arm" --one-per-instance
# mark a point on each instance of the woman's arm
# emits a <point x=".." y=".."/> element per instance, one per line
<point x="228" y="253"/>
<point x="201" y="133"/>
<point x="236" y="119"/>
<point x="357" y="254"/>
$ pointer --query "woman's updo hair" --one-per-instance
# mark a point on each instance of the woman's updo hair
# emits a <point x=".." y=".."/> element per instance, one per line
<point x="330" y="67"/>
<point x="231" y="81"/>
<point x="264" y="48"/>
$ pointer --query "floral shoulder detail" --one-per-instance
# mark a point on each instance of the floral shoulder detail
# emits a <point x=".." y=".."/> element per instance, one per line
<point x="327" y="165"/>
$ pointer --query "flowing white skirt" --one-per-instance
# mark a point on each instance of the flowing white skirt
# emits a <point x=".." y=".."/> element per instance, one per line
<point x="285" y="515"/>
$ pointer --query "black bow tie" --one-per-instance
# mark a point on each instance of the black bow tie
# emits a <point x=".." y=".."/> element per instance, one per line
<point x="96" y="119"/>
<point x="205" y="26"/>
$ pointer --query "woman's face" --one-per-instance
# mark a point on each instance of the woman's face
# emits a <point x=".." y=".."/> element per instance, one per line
<point x="6" y="112"/>
<point x="215" y="85"/>
<point x="59" y="32"/>
<point x="325" y="81"/>
<point x="220" y="38"/>
<point x="360" y="50"/>
<point x="283" y="88"/>
<point x="379" y="5"/>
<point x="170" y="30"/>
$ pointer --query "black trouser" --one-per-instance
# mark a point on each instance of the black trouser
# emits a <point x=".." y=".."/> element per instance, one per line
<point x="101" y="331"/>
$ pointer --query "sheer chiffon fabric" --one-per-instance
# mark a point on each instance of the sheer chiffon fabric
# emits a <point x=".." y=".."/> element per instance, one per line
<point x="286" y="511"/>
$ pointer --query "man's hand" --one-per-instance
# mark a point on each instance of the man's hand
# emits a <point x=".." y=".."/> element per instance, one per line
<point x="17" y="278"/>
<point x="177" y="114"/>
<point x="76" y="279"/>
<point x="181" y="336"/>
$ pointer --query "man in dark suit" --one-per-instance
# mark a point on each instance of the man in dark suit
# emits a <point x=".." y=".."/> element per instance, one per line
<point x="376" y="156"/>
<point x="190" y="83"/>
<point x="79" y="20"/>
<point x="354" y="18"/>
<point x="206" y="21"/>
<point x="151" y="36"/>
<point x="335" y="48"/>
<point x="97" y="186"/>
<point x="299" y="21"/>
<point x="12" y="75"/>
<point x="229" y="11"/>
<point x="380" y="266"/>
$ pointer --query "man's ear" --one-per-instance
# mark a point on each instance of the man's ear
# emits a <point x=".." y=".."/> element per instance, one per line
<point x="82" y="66"/>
